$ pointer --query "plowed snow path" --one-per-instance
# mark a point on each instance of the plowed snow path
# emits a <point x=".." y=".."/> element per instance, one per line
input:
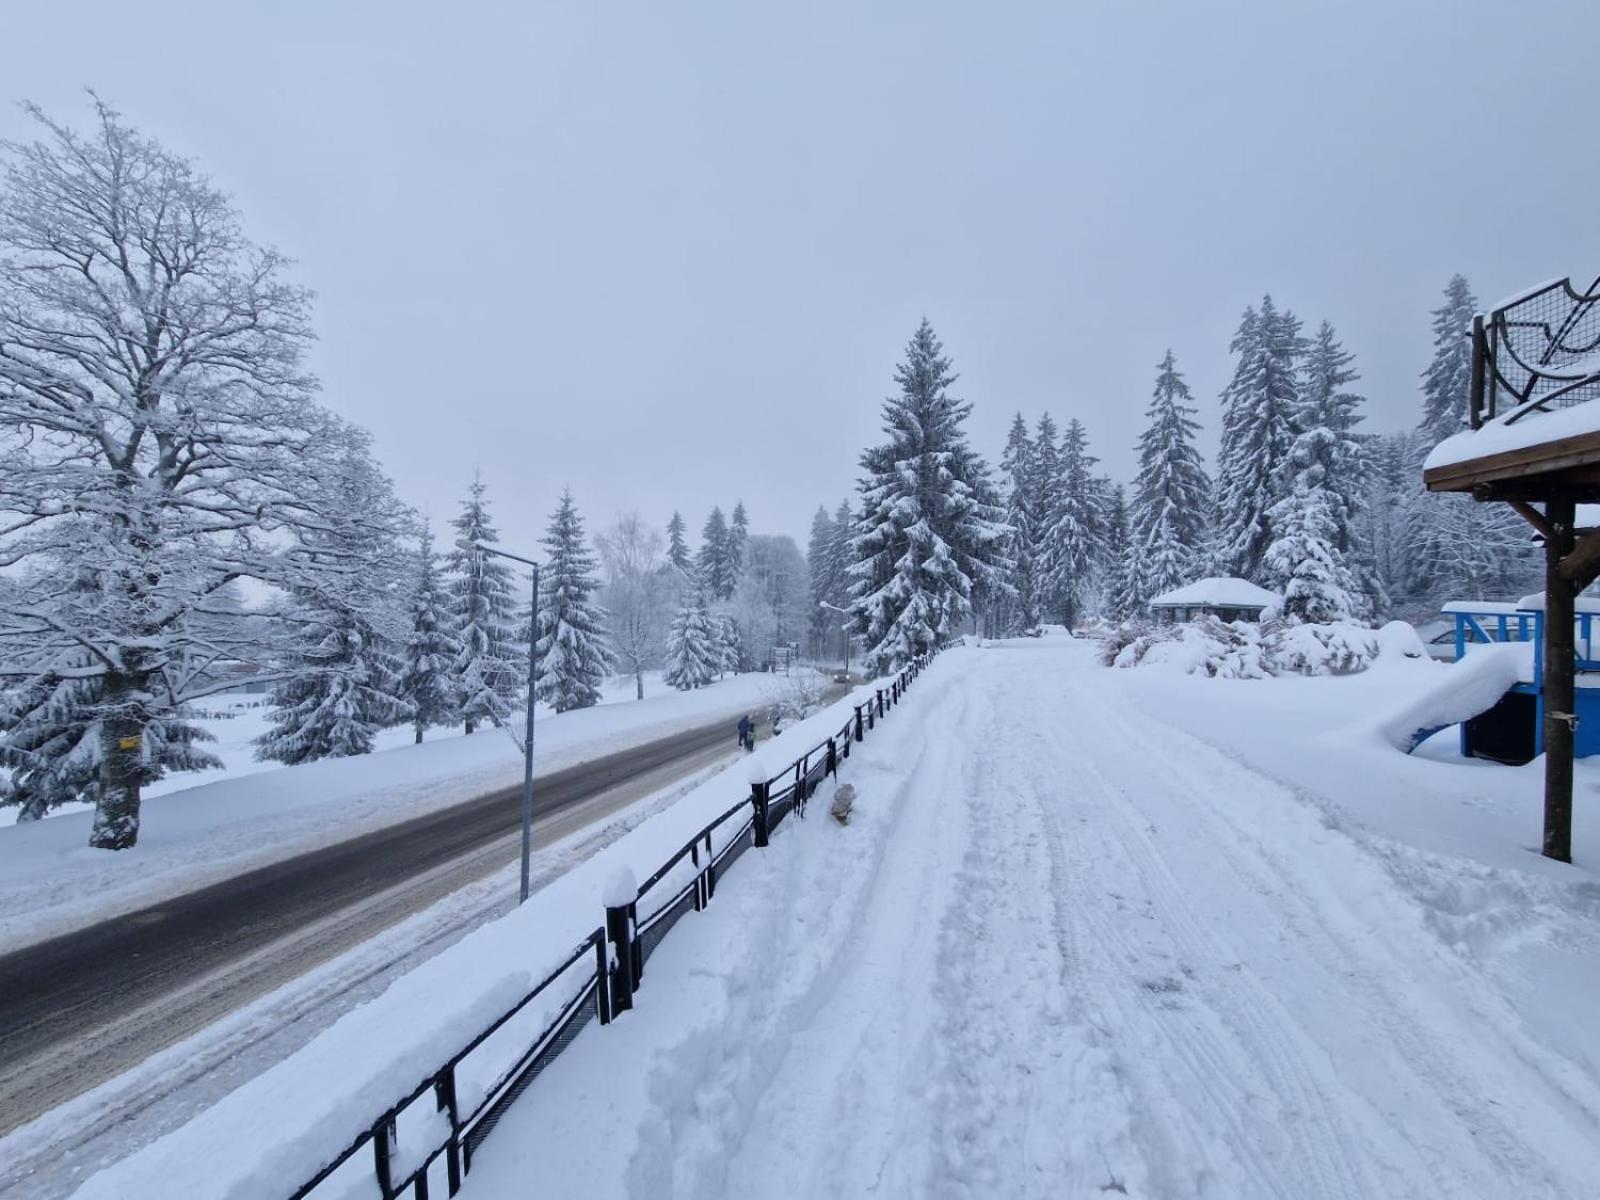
<point x="1063" y="953"/>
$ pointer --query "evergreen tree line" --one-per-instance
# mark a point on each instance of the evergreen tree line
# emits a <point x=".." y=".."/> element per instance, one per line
<point x="1303" y="502"/>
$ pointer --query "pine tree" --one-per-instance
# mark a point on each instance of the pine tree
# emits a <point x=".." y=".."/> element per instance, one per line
<point x="1044" y="497"/>
<point x="715" y="565"/>
<point x="1317" y="585"/>
<point x="347" y="675"/>
<point x="1446" y="384"/>
<point x="677" y="548"/>
<point x="1017" y="464"/>
<point x="572" y="657"/>
<point x="430" y="648"/>
<point x="1260" y="405"/>
<point x="1123" y="597"/>
<point x="1171" y="494"/>
<point x="929" y="532"/>
<point x="693" y="656"/>
<point x="822" y="566"/>
<point x="1073" y="532"/>
<point x="738" y="541"/>
<point x="484" y="607"/>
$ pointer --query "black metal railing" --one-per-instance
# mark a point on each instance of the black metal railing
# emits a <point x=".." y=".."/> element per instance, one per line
<point x="423" y="1144"/>
<point x="1538" y="351"/>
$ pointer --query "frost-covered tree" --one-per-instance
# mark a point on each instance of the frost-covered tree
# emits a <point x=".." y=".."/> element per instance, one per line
<point x="1017" y="466"/>
<point x="730" y="656"/>
<point x="677" y="548"/>
<point x="930" y="530"/>
<point x="1259" y="408"/>
<point x="1044" y="493"/>
<point x="483" y="605"/>
<point x="1446" y="384"/>
<point x="738" y="539"/>
<point x="637" y="593"/>
<point x="572" y="656"/>
<point x="824" y="568"/>
<point x="345" y="684"/>
<point x="430" y="647"/>
<point x="1072" y="536"/>
<point x="714" y="562"/>
<point x="1317" y="585"/>
<point x="1123" y="599"/>
<point x="693" y="655"/>
<point x="158" y="440"/>
<point x="1172" y="495"/>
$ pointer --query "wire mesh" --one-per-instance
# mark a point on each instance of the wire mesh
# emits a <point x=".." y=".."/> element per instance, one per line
<point x="1545" y="350"/>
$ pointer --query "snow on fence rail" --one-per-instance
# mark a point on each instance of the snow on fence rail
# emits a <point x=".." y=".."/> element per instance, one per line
<point x="427" y="1139"/>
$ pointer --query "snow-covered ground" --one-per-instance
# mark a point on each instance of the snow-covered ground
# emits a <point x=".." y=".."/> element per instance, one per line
<point x="1089" y="932"/>
<point x="197" y="829"/>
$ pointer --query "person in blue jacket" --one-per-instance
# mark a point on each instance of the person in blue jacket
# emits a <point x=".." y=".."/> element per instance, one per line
<point x="745" y="730"/>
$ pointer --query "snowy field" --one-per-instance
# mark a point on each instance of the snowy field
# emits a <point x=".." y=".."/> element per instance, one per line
<point x="199" y="828"/>
<point x="1090" y="932"/>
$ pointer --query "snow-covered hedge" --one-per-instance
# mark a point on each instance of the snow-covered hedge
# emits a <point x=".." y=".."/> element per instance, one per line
<point x="1246" y="650"/>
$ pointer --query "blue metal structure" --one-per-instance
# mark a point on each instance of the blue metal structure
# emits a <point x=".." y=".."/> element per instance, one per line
<point x="1482" y="624"/>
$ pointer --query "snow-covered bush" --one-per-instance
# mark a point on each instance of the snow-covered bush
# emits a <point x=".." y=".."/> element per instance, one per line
<point x="802" y="694"/>
<point x="1245" y="650"/>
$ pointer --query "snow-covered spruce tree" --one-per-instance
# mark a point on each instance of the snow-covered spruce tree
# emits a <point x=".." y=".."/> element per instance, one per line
<point x="430" y="647"/>
<point x="1259" y="408"/>
<point x="714" y="564"/>
<point x="823" y="567"/>
<point x="928" y="532"/>
<point x="1021" y="610"/>
<point x="573" y="656"/>
<point x="638" y="587"/>
<point x="1458" y="549"/>
<point x="1123" y="598"/>
<point x="677" y="547"/>
<point x="1393" y="484"/>
<point x="158" y="440"/>
<point x="730" y="656"/>
<point x="488" y="670"/>
<point x="1172" y="495"/>
<point x="1044" y="495"/>
<point x="1073" y="526"/>
<point x="693" y="656"/>
<point x="346" y="673"/>
<point x="1329" y="414"/>
<point x="738" y="539"/>
<point x="1317" y="585"/>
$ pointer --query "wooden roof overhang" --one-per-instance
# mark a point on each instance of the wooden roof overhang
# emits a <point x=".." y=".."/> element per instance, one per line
<point x="1568" y="468"/>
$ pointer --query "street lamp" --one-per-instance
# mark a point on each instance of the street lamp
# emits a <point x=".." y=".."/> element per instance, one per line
<point x="527" y="741"/>
<point x="845" y="628"/>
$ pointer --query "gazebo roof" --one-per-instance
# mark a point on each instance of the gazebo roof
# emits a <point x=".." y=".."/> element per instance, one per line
<point x="1217" y="591"/>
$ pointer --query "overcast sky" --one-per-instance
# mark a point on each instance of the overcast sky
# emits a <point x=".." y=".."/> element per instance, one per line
<point x="669" y="253"/>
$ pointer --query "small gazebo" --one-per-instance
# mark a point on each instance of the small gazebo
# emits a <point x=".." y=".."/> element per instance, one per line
<point x="1220" y="596"/>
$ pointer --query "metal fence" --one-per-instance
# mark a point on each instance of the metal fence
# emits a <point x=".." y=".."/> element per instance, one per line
<point x="423" y="1144"/>
<point x="1538" y="351"/>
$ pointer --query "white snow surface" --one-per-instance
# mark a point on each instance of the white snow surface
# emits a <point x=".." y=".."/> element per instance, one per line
<point x="1223" y="591"/>
<point x="51" y="881"/>
<point x="1458" y="692"/>
<point x="1530" y="428"/>
<point x="1088" y="932"/>
<point x="1090" y="952"/>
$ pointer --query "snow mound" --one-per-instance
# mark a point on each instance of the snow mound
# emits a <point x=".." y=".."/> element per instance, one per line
<point x="1246" y="650"/>
<point x="1464" y="690"/>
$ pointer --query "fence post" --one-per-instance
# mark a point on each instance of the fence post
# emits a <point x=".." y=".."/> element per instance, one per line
<point x="382" y="1147"/>
<point x="880" y="701"/>
<point x="833" y="758"/>
<point x="444" y="1093"/>
<point x="860" y="733"/>
<point x="624" y="950"/>
<point x="602" y="992"/>
<point x="758" y="801"/>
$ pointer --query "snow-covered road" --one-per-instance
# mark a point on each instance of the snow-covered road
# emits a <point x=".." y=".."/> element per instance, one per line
<point x="1060" y="952"/>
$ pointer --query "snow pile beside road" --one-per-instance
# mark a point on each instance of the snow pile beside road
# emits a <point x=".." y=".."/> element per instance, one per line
<point x="1461" y="691"/>
<point x="51" y="882"/>
<point x="282" y="1126"/>
<point x="1245" y="650"/>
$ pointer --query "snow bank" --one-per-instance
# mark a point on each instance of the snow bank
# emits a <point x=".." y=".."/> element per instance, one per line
<point x="1245" y="650"/>
<point x="1462" y="691"/>
<point x="51" y="882"/>
<point x="283" y="1125"/>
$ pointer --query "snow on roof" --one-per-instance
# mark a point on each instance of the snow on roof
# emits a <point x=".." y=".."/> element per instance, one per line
<point x="1533" y="429"/>
<point x="1217" y="591"/>
<point x="1485" y="607"/>
<point x="1584" y="604"/>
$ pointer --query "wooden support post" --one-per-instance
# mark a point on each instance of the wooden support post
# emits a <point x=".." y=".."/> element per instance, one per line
<point x="1559" y="719"/>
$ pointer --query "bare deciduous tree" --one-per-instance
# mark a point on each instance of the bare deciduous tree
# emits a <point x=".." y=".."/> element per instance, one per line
<point x="637" y="594"/>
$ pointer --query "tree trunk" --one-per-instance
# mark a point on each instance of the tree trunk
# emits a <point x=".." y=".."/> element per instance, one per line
<point x="638" y="679"/>
<point x="470" y="724"/>
<point x="116" y="813"/>
<point x="419" y="735"/>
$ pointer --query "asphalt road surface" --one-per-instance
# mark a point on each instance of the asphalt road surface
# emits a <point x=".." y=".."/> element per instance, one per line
<point x="81" y="1008"/>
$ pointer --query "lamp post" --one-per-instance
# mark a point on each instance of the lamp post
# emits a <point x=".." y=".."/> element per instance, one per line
<point x="527" y="739"/>
<point x="845" y="629"/>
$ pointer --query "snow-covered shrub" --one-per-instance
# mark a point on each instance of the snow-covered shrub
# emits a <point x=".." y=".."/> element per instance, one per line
<point x="1117" y="639"/>
<point x="802" y="694"/>
<point x="1245" y="650"/>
